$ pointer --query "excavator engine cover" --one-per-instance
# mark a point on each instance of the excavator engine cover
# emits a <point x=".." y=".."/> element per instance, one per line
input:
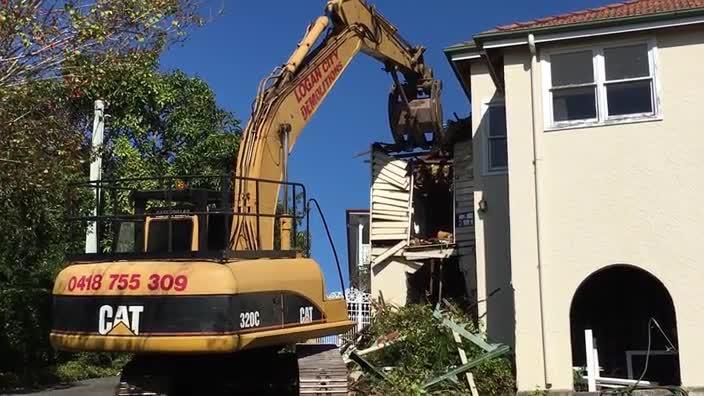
<point x="414" y="113"/>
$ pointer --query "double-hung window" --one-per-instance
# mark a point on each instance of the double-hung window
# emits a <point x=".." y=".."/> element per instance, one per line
<point x="496" y="148"/>
<point x="599" y="85"/>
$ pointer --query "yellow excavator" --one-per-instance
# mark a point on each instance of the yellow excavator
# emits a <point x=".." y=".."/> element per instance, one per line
<point x="205" y="278"/>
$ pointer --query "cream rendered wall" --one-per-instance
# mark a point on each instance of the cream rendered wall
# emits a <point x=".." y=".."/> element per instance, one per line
<point x="389" y="279"/>
<point x="618" y="194"/>
<point x="493" y="256"/>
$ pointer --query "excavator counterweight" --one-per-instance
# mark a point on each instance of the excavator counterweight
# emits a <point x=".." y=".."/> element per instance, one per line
<point x="205" y="278"/>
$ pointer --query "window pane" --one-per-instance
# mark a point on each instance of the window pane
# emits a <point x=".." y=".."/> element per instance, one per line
<point x="629" y="97"/>
<point x="498" y="156"/>
<point x="572" y="68"/>
<point x="497" y="121"/>
<point x="158" y="239"/>
<point x="574" y="103"/>
<point x="627" y="62"/>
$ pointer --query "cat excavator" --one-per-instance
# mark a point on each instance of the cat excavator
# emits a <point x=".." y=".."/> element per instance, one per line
<point x="205" y="279"/>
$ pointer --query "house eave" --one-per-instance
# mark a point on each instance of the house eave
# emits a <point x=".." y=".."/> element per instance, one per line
<point x="498" y="39"/>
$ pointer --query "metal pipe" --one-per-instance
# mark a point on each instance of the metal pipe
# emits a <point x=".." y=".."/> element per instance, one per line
<point x="312" y="35"/>
<point x="533" y="64"/>
<point x="284" y="164"/>
<point x="284" y="222"/>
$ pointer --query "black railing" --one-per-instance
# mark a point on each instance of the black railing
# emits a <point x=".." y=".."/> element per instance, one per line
<point x="179" y="216"/>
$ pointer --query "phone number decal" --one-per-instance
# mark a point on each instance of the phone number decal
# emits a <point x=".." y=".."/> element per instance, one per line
<point x="128" y="281"/>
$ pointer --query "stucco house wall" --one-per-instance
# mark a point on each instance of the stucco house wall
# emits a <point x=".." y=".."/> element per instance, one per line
<point x="491" y="226"/>
<point x="629" y="193"/>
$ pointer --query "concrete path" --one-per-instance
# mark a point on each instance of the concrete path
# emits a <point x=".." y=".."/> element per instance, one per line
<point x="93" y="387"/>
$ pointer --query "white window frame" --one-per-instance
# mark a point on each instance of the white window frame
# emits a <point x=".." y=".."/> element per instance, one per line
<point x="488" y="169"/>
<point x="602" y="116"/>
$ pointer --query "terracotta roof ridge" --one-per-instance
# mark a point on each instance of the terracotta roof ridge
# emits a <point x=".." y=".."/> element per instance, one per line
<point x="622" y="9"/>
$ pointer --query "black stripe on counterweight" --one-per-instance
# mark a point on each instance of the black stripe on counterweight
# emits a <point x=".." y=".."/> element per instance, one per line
<point x="185" y="314"/>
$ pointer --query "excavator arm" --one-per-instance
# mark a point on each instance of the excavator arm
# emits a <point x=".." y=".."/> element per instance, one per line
<point x="287" y="99"/>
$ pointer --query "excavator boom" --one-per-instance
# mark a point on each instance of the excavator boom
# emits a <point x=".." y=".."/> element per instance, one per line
<point x="290" y="96"/>
<point x="186" y="274"/>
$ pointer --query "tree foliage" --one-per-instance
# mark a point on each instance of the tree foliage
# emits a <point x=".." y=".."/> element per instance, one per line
<point x="56" y="58"/>
<point x="39" y="37"/>
<point x="161" y="124"/>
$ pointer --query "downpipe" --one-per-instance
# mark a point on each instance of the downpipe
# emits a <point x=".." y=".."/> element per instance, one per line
<point x="533" y="65"/>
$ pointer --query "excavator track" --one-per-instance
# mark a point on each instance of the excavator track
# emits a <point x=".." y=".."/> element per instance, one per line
<point x="313" y="369"/>
<point x="321" y="370"/>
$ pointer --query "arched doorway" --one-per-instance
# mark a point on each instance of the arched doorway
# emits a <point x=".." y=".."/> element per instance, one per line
<point x="617" y="304"/>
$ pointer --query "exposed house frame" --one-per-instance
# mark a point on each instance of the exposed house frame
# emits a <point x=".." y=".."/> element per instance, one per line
<point x="400" y="245"/>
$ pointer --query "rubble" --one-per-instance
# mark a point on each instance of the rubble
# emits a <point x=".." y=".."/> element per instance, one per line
<point x="420" y="349"/>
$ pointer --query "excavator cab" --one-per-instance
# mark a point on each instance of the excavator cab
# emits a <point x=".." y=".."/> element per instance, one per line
<point x="180" y="215"/>
<point x="182" y="220"/>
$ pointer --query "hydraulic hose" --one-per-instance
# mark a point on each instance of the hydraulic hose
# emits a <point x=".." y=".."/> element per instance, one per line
<point x="332" y="244"/>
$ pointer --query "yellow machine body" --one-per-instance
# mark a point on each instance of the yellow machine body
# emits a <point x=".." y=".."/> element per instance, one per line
<point x="185" y="303"/>
<point x="220" y="308"/>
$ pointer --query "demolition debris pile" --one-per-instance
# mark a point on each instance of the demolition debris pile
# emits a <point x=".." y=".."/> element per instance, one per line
<point x="420" y="349"/>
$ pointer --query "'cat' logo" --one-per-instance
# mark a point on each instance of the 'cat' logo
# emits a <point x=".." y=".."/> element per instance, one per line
<point x="123" y="320"/>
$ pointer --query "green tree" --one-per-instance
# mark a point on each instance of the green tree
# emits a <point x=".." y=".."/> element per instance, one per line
<point x="160" y="124"/>
<point x="56" y="57"/>
<point x="38" y="37"/>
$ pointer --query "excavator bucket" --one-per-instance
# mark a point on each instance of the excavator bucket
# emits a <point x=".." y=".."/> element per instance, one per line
<point x="415" y="115"/>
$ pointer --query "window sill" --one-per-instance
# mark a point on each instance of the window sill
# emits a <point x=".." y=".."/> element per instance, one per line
<point x="495" y="172"/>
<point x="614" y="121"/>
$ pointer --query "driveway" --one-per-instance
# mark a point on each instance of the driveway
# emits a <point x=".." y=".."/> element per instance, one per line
<point x="93" y="387"/>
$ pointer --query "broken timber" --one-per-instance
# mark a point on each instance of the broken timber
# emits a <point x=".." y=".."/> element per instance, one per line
<point x="465" y="367"/>
<point x="492" y="350"/>
<point x="463" y="360"/>
<point x="378" y="259"/>
<point x="391" y="203"/>
<point x="476" y="339"/>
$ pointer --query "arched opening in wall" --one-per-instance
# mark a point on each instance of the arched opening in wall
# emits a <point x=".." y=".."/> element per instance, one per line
<point x="617" y="304"/>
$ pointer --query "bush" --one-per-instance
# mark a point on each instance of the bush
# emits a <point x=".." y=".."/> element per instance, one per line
<point x="25" y="321"/>
<point x="91" y="365"/>
<point x="428" y="351"/>
<point x="28" y="360"/>
<point x="70" y="368"/>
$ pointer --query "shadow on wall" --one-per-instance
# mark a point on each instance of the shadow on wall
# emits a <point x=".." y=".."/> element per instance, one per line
<point x="494" y="221"/>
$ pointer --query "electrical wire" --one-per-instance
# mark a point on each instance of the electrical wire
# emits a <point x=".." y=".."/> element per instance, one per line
<point x="675" y="390"/>
<point x="332" y="244"/>
<point x="647" y="353"/>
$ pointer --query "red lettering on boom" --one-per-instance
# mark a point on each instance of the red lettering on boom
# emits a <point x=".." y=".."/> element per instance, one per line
<point x="307" y="84"/>
<point x="316" y="96"/>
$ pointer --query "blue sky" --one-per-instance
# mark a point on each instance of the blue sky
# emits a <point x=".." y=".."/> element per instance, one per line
<point x="235" y="50"/>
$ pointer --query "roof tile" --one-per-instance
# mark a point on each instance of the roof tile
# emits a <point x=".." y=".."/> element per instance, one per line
<point x="630" y="8"/>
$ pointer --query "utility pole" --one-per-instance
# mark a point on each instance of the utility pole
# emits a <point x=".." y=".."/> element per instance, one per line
<point x="95" y="173"/>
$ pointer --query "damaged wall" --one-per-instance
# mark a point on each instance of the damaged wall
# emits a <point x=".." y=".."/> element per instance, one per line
<point x="390" y="225"/>
<point x="463" y="187"/>
<point x="413" y="220"/>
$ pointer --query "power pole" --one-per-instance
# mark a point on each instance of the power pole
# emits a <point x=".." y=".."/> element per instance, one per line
<point x="96" y="173"/>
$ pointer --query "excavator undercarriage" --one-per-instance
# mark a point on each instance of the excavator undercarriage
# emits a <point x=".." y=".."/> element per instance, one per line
<point x="206" y="279"/>
<point x="199" y="317"/>
<point x="306" y="369"/>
